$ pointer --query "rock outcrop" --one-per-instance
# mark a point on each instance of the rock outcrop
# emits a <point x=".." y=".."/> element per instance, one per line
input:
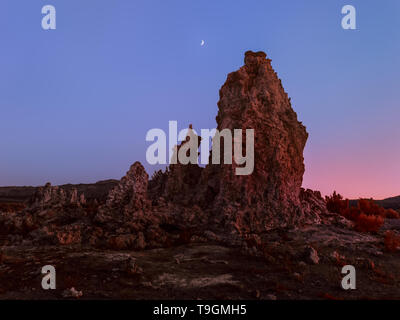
<point x="53" y="195"/>
<point x="253" y="98"/>
<point x="190" y="202"/>
<point x="131" y="192"/>
<point x="183" y="178"/>
<point x="127" y="201"/>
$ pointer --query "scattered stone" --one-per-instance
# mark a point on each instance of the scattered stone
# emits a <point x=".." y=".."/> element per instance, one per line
<point x="297" y="276"/>
<point x="311" y="255"/>
<point x="337" y="257"/>
<point x="132" y="266"/>
<point x="270" y="297"/>
<point x="72" y="293"/>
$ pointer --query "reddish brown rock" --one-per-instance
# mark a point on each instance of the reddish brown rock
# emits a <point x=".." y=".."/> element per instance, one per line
<point x="183" y="178"/>
<point x="189" y="202"/>
<point x="253" y="98"/>
<point x="128" y="216"/>
<point x="132" y="189"/>
<point x="313" y="204"/>
<point x="121" y="242"/>
<point x="128" y="198"/>
<point x="55" y="196"/>
<point x="69" y="235"/>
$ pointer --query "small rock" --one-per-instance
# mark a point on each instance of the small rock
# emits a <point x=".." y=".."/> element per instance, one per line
<point x="211" y="235"/>
<point x="140" y="241"/>
<point x="311" y="255"/>
<point x="370" y="264"/>
<point x="337" y="257"/>
<point x="297" y="276"/>
<point x="132" y="267"/>
<point x="72" y="293"/>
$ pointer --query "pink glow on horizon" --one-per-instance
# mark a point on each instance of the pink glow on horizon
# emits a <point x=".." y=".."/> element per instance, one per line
<point x="356" y="174"/>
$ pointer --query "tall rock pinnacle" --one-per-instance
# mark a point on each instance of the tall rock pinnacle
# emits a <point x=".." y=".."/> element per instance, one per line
<point x="253" y="98"/>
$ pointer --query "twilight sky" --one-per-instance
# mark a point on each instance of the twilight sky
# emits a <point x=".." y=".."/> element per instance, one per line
<point x="76" y="102"/>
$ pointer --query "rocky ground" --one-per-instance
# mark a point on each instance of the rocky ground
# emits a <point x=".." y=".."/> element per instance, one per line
<point x="286" y="269"/>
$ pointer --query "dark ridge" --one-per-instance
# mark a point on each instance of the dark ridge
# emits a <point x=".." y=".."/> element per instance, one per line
<point x="388" y="203"/>
<point x="98" y="190"/>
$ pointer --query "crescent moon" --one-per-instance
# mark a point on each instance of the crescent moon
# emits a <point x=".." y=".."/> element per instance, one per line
<point x="202" y="42"/>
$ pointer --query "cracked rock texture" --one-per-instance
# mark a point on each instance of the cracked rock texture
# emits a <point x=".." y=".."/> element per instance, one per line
<point x="253" y="98"/>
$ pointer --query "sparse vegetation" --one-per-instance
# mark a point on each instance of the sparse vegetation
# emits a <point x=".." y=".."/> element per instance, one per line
<point x="367" y="216"/>
<point x="365" y="223"/>
<point x="392" y="241"/>
<point x="335" y="203"/>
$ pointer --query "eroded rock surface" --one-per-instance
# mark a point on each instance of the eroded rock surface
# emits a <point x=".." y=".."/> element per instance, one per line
<point x="253" y="98"/>
<point x="55" y="196"/>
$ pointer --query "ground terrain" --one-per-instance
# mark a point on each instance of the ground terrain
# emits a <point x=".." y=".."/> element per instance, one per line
<point x="211" y="270"/>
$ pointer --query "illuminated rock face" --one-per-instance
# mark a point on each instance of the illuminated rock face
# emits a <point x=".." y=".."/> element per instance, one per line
<point x="253" y="98"/>
<point x="269" y="197"/>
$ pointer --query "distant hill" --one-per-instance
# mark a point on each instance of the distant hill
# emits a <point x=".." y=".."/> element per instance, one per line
<point x="98" y="190"/>
<point x="389" y="203"/>
<point x="393" y="202"/>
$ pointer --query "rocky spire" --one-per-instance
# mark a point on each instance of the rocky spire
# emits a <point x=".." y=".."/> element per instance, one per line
<point x="253" y="98"/>
<point x="131" y="191"/>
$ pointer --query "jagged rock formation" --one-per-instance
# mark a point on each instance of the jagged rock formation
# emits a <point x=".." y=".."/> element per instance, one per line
<point x="127" y="211"/>
<point x="270" y="197"/>
<point x="50" y="196"/>
<point x="189" y="202"/>
<point x="183" y="179"/>
<point x="130" y="194"/>
<point x="313" y="204"/>
<point x="240" y="236"/>
<point x="253" y="98"/>
<point x="53" y="216"/>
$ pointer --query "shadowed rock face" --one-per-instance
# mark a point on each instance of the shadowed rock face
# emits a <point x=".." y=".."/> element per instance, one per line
<point x="183" y="179"/>
<point x="128" y="198"/>
<point x="52" y="196"/>
<point x="253" y="98"/>
<point x="131" y="190"/>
